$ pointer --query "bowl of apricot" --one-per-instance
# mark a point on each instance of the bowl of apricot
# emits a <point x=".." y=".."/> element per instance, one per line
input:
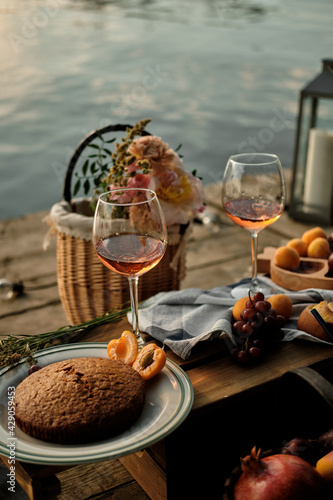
<point x="303" y="262"/>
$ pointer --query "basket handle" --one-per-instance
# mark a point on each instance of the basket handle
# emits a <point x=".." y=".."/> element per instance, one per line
<point x="312" y="379"/>
<point x="304" y="401"/>
<point x="67" y="192"/>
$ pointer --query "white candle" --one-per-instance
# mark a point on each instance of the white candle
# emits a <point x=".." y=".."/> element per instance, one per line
<point x="319" y="169"/>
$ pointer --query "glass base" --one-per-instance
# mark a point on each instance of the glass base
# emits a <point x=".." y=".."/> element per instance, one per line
<point x="141" y="341"/>
<point x="242" y="290"/>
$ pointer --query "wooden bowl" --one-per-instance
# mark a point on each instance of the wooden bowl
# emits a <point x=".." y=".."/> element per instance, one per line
<point x="312" y="273"/>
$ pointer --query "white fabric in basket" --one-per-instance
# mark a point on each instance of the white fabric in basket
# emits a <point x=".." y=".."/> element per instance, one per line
<point x="74" y="219"/>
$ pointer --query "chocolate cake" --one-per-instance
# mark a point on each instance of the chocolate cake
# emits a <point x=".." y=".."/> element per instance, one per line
<point x="79" y="400"/>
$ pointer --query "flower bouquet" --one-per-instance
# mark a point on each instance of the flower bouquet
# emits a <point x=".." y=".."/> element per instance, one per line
<point x="140" y="160"/>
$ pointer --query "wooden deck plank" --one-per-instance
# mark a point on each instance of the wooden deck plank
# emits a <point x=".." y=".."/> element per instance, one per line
<point x="100" y="480"/>
<point x="48" y="318"/>
<point x="22" y="236"/>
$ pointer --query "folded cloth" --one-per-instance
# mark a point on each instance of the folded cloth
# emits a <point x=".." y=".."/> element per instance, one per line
<point x="181" y="319"/>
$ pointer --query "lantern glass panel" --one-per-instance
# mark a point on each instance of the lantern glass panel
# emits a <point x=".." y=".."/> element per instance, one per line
<point x="312" y="188"/>
<point x="304" y="130"/>
<point x="325" y="114"/>
<point x="313" y="180"/>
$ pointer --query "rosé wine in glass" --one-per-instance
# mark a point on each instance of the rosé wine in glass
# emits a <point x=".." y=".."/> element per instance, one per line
<point x="130" y="254"/>
<point x="130" y="237"/>
<point x="253" y="197"/>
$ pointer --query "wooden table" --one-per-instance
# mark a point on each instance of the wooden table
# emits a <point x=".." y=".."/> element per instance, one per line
<point x="231" y="402"/>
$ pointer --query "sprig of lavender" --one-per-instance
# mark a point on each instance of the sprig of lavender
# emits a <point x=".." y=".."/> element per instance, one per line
<point x="14" y="349"/>
<point x="122" y="158"/>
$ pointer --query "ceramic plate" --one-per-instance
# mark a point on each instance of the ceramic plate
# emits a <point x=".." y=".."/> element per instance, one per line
<point x="169" y="398"/>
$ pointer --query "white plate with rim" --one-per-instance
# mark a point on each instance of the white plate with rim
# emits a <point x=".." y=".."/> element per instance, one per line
<point x="169" y="399"/>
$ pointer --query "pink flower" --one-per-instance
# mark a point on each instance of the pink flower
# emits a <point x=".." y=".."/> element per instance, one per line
<point x="133" y="167"/>
<point x="139" y="181"/>
<point x="180" y="193"/>
<point x="152" y="148"/>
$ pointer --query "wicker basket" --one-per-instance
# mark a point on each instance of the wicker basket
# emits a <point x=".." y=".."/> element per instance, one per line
<point x="86" y="287"/>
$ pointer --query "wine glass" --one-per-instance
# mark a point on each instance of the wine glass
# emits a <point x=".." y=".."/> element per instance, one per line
<point x="253" y="196"/>
<point x="130" y="237"/>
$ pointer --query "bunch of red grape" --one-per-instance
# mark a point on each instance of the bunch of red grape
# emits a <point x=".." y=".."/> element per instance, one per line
<point x="258" y="330"/>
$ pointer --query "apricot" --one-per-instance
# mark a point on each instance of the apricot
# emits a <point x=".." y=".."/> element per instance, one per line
<point x="287" y="258"/>
<point x="124" y="348"/>
<point x="239" y="307"/>
<point x="319" y="248"/>
<point x="150" y="361"/>
<point x="325" y="466"/>
<point x="299" y="245"/>
<point x="281" y="304"/>
<point x="312" y="234"/>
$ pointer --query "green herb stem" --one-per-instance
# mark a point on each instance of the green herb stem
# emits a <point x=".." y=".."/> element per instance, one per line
<point x="13" y="349"/>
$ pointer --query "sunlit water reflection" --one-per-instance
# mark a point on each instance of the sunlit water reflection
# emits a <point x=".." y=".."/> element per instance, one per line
<point x="218" y="76"/>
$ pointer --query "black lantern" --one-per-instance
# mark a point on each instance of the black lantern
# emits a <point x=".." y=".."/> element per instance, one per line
<point x="312" y="183"/>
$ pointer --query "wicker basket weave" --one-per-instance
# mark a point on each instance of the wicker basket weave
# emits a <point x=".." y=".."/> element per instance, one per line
<point x="86" y="287"/>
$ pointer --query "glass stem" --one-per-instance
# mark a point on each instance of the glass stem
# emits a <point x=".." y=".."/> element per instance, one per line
<point x="254" y="254"/>
<point x="133" y="285"/>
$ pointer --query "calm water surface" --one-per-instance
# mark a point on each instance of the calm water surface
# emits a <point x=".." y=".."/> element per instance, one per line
<point x="217" y="76"/>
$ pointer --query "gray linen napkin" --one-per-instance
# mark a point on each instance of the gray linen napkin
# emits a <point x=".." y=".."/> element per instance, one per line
<point x="181" y="319"/>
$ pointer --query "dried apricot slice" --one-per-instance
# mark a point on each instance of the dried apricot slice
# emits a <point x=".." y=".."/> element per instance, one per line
<point x="150" y="361"/>
<point x="125" y="348"/>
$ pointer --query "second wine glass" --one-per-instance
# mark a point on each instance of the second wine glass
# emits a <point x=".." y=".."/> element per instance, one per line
<point x="130" y="237"/>
<point x="253" y="196"/>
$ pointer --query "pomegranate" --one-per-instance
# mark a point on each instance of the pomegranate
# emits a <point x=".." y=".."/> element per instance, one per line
<point x="278" y="477"/>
